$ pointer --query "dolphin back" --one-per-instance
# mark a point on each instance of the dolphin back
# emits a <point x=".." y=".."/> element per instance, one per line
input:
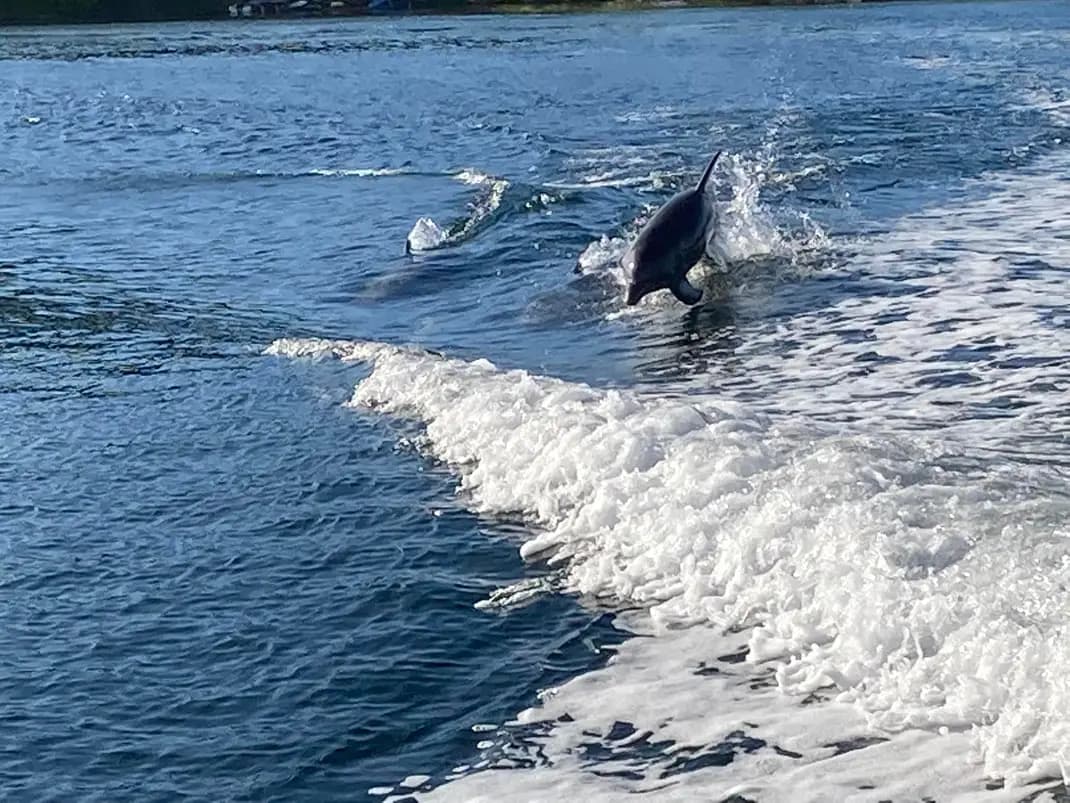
<point x="707" y="173"/>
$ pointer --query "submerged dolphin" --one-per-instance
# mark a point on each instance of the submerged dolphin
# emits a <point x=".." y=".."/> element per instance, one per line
<point x="670" y="244"/>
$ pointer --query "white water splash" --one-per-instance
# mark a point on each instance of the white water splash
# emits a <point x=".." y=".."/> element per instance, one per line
<point x="474" y="177"/>
<point x="603" y="256"/>
<point x="745" y="228"/>
<point x="427" y="235"/>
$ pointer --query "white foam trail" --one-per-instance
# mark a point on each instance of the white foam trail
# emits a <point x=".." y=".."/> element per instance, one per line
<point x="645" y="116"/>
<point x="624" y="166"/>
<point x="904" y="577"/>
<point x="652" y="180"/>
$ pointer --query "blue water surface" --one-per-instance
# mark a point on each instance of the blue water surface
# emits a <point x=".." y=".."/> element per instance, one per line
<point x="218" y="583"/>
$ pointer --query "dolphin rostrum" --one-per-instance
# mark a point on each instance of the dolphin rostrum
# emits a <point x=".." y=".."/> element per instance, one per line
<point x="671" y="243"/>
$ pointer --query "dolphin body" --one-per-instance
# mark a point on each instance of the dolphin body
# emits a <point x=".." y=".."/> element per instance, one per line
<point x="670" y="244"/>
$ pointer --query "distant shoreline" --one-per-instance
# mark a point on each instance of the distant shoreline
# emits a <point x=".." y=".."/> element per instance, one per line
<point x="419" y="8"/>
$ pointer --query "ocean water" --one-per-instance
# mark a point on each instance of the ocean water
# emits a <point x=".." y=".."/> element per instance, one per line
<point x="333" y="467"/>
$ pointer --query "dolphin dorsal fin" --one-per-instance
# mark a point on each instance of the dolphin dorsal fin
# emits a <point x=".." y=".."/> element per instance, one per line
<point x="708" y="171"/>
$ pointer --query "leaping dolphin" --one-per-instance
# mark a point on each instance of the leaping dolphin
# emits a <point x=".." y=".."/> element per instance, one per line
<point x="671" y="243"/>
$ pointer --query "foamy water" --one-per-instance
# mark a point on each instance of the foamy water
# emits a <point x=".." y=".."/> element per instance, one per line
<point x="889" y="586"/>
<point x="954" y="317"/>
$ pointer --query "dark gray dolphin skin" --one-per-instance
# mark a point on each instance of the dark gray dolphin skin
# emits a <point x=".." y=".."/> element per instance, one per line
<point x="670" y="244"/>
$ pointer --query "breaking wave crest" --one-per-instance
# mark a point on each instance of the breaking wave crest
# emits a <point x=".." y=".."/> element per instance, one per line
<point x="924" y="589"/>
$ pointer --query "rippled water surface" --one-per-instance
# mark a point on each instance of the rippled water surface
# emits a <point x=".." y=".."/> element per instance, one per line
<point x="273" y="527"/>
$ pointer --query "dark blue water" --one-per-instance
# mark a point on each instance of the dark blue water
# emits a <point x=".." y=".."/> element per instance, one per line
<point x="217" y="582"/>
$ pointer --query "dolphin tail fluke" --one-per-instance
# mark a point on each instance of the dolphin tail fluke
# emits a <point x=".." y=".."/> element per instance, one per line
<point x="708" y="172"/>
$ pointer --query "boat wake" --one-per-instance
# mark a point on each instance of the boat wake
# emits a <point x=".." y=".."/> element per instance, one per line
<point x="906" y="602"/>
